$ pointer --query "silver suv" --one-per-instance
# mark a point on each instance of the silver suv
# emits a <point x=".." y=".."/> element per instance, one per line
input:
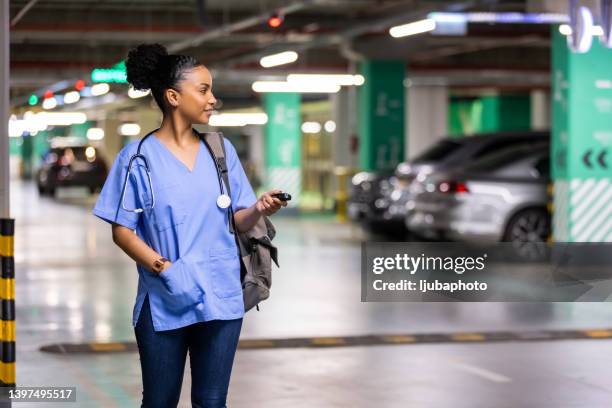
<point x="387" y="199"/>
<point x="502" y="197"/>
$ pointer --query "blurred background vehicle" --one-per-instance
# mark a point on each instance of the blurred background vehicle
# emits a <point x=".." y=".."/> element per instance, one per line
<point x="382" y="201"/>
<point x="501" y="197"/>
<point x="71" y="163"/>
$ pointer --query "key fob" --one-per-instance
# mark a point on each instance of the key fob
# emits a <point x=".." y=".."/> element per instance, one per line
<point x="282" y="196"/>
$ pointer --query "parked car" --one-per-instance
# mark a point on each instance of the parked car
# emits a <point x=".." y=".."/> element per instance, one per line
<point x="366" y="187"/>
<point x="385" y="199"/>
<point x="71" y="164"/>
<point x="502" y="197"/>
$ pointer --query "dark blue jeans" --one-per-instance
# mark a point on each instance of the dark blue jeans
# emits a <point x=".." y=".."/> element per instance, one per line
<point x="211" y="347"/>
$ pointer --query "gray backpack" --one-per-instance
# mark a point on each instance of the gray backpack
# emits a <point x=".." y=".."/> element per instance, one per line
<point x="255" y="245"/>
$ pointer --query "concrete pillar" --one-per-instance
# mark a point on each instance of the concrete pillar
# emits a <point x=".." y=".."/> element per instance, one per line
<point x="427" y="117"/>
<point x="540" y="110"/>
<point x="341" y="139"/>
<point x="148" y="119"/>
<point x="581" y="153"/>
<point x="112" y="139"/>
<point x="381" y="114"/>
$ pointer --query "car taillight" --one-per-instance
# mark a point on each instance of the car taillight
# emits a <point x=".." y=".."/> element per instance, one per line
<point x="63" y="161"/>
<point x="452" y="187"/>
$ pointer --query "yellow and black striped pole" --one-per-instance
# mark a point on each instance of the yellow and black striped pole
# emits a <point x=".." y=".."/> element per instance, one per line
<point x="7" y="299"/>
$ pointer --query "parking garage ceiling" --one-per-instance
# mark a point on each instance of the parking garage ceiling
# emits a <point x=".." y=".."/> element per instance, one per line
<point x="54" y="40"/>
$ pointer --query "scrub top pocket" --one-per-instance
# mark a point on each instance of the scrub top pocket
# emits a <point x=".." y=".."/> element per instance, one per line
<point x="182" y="290"/>
<point x="225" y="271"/>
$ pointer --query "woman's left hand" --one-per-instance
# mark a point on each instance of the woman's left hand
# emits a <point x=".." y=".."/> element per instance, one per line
<point x="268" y="205"/>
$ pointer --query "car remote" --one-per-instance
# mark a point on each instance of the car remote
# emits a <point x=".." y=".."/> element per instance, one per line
<point x="282" y="196"/>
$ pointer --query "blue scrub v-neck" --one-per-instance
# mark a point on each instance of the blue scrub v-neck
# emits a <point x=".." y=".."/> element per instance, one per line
<point x="185" y="226"/>
<point x="197" y="159"/>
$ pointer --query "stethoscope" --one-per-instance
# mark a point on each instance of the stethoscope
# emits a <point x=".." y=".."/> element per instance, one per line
<point x="223" y="200"/>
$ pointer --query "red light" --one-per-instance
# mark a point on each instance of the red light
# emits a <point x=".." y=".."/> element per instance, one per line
<point x="48" y="94"/>
<point x="461" y="188"/>
<point x="452" y="187"/>
<point x="80" y="84"/>
<point x="275" y="21"/>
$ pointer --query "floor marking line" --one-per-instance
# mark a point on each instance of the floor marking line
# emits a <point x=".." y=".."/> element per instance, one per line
<point x="482" y="372"/>
<point x="361" y="340"/>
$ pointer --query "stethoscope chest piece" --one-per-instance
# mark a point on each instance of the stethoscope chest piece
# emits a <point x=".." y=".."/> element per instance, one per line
<point x="224" y="201"/>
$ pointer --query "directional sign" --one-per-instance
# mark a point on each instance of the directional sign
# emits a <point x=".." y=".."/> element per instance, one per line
<point x="593" y="159"/>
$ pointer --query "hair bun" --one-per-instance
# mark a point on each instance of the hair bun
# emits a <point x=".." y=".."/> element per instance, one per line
<point x="142" y="64"/>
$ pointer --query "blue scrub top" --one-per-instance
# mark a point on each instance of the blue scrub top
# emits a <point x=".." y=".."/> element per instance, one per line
<point x="186" y="226"/>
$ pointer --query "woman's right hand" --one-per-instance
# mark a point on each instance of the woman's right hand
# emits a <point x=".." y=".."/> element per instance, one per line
<point x="268" y="205"/>
<point x="167" y="265"/>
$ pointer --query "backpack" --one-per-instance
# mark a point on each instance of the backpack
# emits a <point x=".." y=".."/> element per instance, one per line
<point x="255" y="245"/>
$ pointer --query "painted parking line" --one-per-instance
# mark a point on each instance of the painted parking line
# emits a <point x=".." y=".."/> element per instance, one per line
<point x="482" y="372"/>
<point x="366" y="340"/>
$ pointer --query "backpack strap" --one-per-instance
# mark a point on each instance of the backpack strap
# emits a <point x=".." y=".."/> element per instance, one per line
<point x="216" y="147"/>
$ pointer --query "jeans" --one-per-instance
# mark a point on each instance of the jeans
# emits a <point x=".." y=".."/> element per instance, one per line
<point x="211" y="346"/>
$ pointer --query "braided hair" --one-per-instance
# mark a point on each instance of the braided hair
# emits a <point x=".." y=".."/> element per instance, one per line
<point x="149" y="66"/>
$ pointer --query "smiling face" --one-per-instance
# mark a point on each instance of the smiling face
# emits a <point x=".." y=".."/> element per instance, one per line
<point x="193" y="98"/>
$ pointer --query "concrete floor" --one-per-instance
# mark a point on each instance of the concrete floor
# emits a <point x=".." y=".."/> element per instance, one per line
<point x="74" y="285"/>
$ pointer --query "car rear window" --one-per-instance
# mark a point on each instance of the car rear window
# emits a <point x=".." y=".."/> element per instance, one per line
<point x="77" y="151"/>
<point x="495" y="146"/>
<point x="438" y="151"/>
<point x="497" y="161"/>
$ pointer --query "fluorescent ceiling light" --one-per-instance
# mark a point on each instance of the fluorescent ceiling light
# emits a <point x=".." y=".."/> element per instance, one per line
<point x="334" y="79"/>
<point x="100" y="89"/>
<point x="16" y="127"/>
<point x="280" y="86"/>
<point x="129" y="129"/>
<point x="282" y="58"/>
<point x="95" y="134"/>
<point x="330" y="126"/>
<point x="502" y="17"/>
<point x="33" y="123"/>
<point x="566" y="30"/>
<point x="61" y="118"/>
<point x="418" y="27"/>
<point x="311" y="127"/>
<point x="448" y="17"/>
<point x="49" y="103"/>
<point x="71" y="97"/>
<point x="238" y="119"/>
<point x="135" y="94"/>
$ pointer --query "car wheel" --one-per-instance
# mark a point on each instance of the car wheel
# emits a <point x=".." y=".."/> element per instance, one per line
<point x="528" y="232"/>
<point x="41" y="190"/>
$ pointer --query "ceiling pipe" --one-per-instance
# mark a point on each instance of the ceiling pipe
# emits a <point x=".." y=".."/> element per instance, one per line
<point x="349" y="34"/>
<point x="23" y="12"/>
<point x="238" y="26"/>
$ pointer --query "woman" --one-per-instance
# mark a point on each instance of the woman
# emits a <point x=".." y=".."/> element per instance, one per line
<point x="189" y="291"/>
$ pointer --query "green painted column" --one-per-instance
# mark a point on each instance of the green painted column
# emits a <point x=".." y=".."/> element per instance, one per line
<point x="80" y="130"/>
<point x="489" y="113"/>
<point x="581" y="153"/>
<point x="381" y="114"/>
<point x="27" y="150"/>
<point x="283" y="144"/>
<point x="15" y="146"/>
<point x="504" y="113"/>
